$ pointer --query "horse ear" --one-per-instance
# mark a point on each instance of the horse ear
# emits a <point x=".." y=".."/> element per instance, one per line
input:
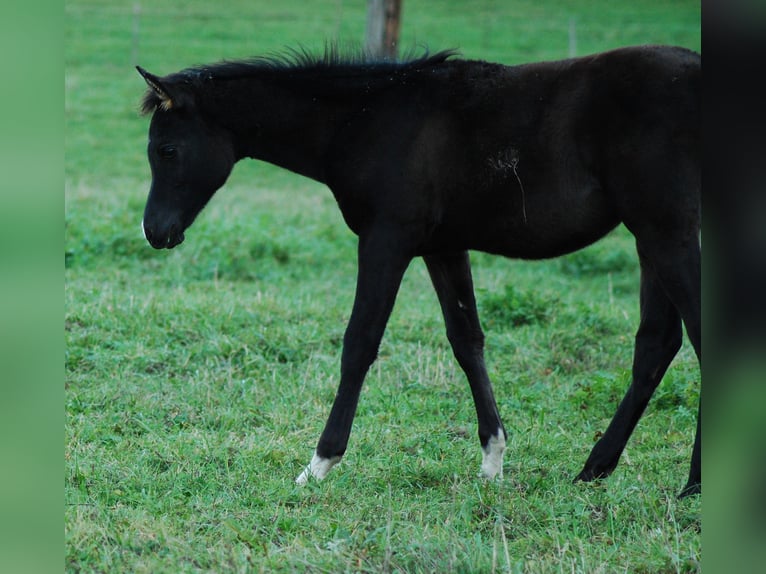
<point x="166" y="100"/>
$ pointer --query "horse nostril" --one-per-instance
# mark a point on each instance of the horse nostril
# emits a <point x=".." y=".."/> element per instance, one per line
<point x="147" y="234"/>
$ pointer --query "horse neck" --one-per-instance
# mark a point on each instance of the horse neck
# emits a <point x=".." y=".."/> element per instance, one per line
<point x="283" y="124"/>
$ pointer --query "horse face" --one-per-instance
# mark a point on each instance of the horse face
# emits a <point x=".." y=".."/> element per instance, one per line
<point x="190" y="160"/>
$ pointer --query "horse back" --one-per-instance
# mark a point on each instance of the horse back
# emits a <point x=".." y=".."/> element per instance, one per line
<point x="527" y="161"/>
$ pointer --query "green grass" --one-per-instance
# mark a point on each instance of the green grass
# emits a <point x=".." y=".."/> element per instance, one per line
<point x="198" y="380"/>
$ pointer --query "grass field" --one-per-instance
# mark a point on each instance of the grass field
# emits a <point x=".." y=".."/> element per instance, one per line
<point x="198" y="380"/>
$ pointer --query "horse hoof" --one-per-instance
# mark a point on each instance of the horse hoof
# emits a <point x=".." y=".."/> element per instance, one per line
<point x="492" y="456"/>
<point x="691" y="489"/>
<point x="585" y="476"/>
<point x="317" y="468"/>
<point x="596" y="468"/>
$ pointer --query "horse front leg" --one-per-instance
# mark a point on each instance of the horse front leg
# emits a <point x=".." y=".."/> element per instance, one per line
<point x="451" y="278"/>
<point x="381" y="267"/>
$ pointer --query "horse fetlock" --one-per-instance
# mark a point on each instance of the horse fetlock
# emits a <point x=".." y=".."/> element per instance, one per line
<point x="492" y="456"/>
<point x="317" y="468"/>
<point x="691" y="489"/>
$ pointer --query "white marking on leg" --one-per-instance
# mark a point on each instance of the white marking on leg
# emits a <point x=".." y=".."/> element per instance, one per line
<point x="143" y="229"/>
<point x="492" y="456"/>
<point x="318" y="468"/>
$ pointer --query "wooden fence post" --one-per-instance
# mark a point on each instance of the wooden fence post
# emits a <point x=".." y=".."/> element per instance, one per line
<point x="383" y="22"/>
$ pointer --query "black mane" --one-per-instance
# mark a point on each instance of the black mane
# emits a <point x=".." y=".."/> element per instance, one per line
<point x="333" y="63"/>
<point x="331" y="60"/>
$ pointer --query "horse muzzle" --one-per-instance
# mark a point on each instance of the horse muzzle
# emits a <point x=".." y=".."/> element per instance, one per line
<point x="166" y="239"/>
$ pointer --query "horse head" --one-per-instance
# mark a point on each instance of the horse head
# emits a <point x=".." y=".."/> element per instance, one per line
<point x="189" y="156"/>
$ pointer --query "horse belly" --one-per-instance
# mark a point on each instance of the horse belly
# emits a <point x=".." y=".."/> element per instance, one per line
<point x="545" y="222"/>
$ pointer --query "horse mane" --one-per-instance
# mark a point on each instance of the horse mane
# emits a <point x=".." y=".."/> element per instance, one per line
<point x="333" y="63"/>
<point x="334" y="58"/>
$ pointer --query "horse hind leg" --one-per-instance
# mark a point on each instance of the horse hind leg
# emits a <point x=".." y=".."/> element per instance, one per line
<point x="679" y="270"/>
<point x="451" y="278"/>
<point x="694" y="483"/>
<point x="658" y="340"/>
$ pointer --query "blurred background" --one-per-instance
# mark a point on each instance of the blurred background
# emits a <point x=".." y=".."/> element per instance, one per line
<point x="241" y="325"/>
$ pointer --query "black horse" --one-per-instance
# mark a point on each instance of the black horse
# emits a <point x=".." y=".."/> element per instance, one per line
<point x="436" y="156"/>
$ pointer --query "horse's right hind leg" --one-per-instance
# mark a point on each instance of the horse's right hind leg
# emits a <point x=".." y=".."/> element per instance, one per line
<point x="658" y="339"/>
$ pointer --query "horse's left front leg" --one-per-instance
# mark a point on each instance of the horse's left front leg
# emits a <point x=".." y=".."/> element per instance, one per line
<point x="381" y="267"/>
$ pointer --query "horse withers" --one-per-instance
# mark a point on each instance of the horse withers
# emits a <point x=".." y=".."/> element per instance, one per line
<point x="436" y="156"/>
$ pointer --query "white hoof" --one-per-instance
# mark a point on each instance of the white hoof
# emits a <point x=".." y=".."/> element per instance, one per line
<point x="318" y="468"/>
<point x="492" y="456"/>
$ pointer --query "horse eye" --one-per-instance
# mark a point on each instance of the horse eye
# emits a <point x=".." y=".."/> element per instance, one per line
<point x="167" y="151"/>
